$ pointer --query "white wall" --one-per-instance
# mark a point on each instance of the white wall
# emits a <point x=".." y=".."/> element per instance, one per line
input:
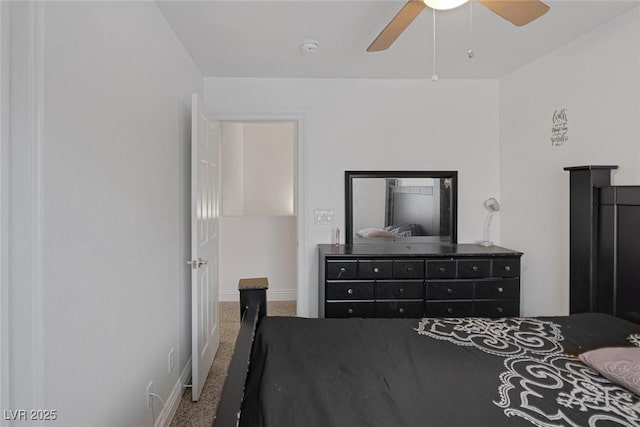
<point x="111" y="229"/>
<point x="597" y="79"/>
<point x="269" y="168"/>
<point x="232" y="165"/>
<point x="258" y="246"/>
<point x="4" y="207"/>
<point x="258" y="168"/>
<point x="258" y="229"/>
<point x="377" y="124"/>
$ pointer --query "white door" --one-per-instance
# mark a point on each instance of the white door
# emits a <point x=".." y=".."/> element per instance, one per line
<point x="205" y="142"/>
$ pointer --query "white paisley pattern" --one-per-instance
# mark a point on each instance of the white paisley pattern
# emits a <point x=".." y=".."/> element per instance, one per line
<point x="574" y="394"/>
<point x="624" y="371"/>
<point x="503" y="337"/>
<point x="541" y="384"/>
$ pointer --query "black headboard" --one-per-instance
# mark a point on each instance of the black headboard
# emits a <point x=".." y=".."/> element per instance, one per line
<point x="604" y="244"/>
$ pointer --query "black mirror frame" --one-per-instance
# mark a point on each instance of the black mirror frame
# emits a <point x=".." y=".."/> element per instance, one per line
<point x="348" y="185"/>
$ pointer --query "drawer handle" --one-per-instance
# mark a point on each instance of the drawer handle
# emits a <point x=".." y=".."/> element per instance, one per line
<point x="350" y="311"/>
<point x="449" y="310"/>
<point x="401" y="310"/>
<point x="409" y="269"/>
<point x="441" y="269"/>
<point x="342" y="269"/>
<point x="500" y="309"/>
<point x="376" y="270"/>
<point x="350" y="291"/>
<point x="507" y="268"/>
<point x="449" y="291"/>
<point x="501" y="290"/>
<point x="401" y="290"/>
<point x="474" y="268"/>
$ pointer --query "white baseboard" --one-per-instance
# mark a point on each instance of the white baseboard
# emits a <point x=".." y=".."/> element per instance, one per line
<point x="272" y="295"/>
<point x="166" y="415"/>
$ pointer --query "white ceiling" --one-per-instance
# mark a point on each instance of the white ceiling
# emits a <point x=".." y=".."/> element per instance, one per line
<point x="262" y="38"/>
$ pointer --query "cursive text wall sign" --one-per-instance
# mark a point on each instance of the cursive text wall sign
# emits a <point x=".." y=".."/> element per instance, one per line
<point x="560" y="127"/>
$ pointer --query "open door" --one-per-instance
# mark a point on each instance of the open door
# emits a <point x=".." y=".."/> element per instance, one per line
<point x="205" y="143"/>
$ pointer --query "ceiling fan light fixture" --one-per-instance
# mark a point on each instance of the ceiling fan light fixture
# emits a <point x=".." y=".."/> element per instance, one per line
<point x="444" y="4"/>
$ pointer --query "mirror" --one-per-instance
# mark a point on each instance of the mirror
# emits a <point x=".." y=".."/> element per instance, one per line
<point x="401" y="207"/>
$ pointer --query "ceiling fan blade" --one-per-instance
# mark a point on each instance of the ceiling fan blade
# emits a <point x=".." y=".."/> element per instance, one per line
<point x="397" y="25"/>
<point x="518" y="12"/>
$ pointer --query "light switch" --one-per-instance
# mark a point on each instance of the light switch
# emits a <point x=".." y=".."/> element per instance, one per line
<point x="323" y="216"/>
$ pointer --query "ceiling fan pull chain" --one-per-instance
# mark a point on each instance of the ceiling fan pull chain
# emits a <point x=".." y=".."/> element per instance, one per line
<point x="470" y="53"/>
<point x="434" y="76"/>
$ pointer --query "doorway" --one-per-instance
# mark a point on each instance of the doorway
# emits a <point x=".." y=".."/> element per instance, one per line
<point x="260" y="205"/>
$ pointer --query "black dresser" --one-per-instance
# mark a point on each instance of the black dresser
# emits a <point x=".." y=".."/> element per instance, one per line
<point x="418" y="280"/>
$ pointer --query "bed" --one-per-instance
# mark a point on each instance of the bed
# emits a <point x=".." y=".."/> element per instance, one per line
<point x="552" y="371"/>
<point x="435" y="372"/>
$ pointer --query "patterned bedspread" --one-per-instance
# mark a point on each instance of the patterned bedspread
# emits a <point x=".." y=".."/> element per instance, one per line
<point x="436" y="373"/>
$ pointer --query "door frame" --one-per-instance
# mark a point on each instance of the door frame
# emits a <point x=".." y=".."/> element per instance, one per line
<point x="302" y="292"/>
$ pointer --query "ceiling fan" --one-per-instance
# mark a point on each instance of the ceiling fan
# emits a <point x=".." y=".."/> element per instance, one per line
<point x="518" y="12"/>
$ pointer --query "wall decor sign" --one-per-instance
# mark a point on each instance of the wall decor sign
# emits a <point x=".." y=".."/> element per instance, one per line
<point x="560" y="127"/>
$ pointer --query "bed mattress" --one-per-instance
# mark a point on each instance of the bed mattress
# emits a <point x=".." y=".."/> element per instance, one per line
<point x="456" y="372"/>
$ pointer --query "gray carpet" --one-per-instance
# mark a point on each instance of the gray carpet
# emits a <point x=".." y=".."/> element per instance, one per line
<point x="200" y="413"/>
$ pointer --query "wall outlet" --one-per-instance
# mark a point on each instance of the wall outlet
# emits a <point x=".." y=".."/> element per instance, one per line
<point x="171" y="359"/>
<point x="148" y="395"/>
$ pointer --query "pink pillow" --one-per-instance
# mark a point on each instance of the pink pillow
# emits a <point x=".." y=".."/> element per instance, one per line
<point x="620" y="365"/>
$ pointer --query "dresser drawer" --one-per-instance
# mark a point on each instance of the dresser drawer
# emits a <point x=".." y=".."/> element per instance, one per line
<point x="449" y="309"/>
<point x="504" y="308"/>
<point x="408" y="269"/>
<point x="509" y="267"/>
<point x="406" y="280"/>
<point x="474" y="268"/>
<point x="379" y="269"/>
<point x="400" y="290"/>
<point x="498" y="289"/>
<point x="350" y="309"/>
<point x="341" y="270"/>
<point x="409" y="309"/>
<point x="441" y="269"/>
<point x="449" y="289"/>
<point x="349" y="290"/>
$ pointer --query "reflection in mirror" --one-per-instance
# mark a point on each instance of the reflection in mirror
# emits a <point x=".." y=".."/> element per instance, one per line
<point x="401" y="207"/>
